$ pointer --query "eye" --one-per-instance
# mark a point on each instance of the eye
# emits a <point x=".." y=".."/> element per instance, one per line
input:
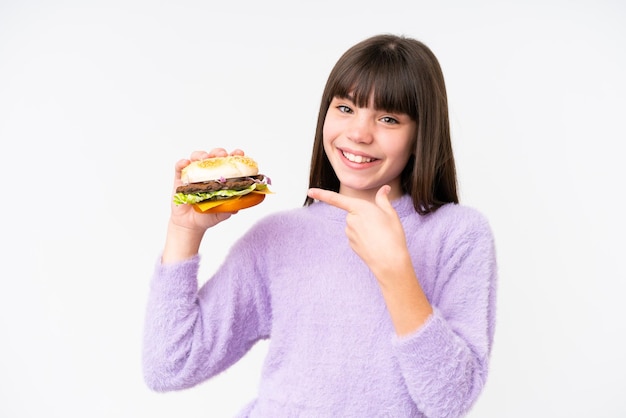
<point x="344" y="109"/>
<point x="389" y="120"/>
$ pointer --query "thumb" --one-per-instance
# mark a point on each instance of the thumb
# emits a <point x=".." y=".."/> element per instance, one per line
<point x="382" y="198"/>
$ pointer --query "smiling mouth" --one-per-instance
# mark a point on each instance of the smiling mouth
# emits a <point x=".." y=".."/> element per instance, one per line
<point x="359" y="159"/>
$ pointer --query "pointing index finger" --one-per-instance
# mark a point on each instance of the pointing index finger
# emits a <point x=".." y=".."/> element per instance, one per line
<point x="332" y="198"/>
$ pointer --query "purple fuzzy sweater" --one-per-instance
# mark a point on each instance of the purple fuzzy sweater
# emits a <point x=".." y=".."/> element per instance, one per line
<point x="294" y="279"/>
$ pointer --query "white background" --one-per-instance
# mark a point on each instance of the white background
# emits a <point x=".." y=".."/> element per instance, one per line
<point x="99" y="99"/>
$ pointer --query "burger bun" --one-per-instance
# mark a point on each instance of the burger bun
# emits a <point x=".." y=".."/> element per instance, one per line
<point x="216" y="168"/>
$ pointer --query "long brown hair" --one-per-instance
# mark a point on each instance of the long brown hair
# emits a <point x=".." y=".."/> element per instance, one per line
<point x="403" y="75"/>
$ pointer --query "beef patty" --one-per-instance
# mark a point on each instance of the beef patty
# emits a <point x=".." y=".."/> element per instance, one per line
<point x="238" y="183"/>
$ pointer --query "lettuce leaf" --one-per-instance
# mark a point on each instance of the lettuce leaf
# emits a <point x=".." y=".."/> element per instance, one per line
<point x="190" y="199"/>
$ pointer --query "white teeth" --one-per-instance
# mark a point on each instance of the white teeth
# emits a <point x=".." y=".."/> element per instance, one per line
<point x="357" y="158"/>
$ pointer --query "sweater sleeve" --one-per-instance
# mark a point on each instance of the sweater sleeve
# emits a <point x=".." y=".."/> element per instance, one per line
<point x="445" y="362"/>
<point x="191" y="335"/>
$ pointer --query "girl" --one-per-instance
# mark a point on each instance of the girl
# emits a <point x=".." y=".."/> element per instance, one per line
<point x="377" y="296"/>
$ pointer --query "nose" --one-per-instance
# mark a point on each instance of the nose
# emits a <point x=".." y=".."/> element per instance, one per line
<point x="360" y="130"/>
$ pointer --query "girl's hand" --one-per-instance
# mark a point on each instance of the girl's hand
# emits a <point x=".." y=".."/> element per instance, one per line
<point x="373" y="229"/>
<point x="184" y="216"/>
<point x="186" y="227"/>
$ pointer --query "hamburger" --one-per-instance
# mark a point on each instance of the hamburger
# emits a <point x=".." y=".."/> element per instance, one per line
<point x="222" y="184"/>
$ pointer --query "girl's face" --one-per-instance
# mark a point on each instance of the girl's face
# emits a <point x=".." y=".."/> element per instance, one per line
<point x="367" y="147"/>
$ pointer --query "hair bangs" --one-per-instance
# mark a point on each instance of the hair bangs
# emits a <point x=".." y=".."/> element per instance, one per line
<point x="381" y="81"/>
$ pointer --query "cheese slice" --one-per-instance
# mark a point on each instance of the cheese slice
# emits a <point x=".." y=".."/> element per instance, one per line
<point x="210" y="204"/>
<point x="265" y="190"/>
